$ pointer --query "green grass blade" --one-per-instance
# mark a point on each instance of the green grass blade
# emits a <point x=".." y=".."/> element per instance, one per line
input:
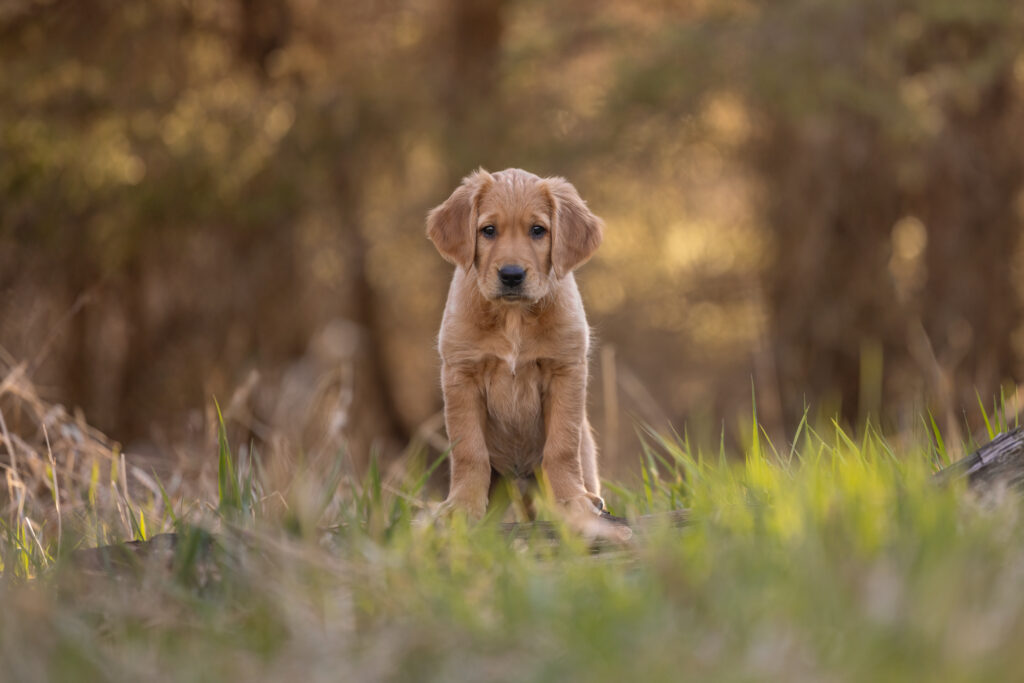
<point x="168" y="505"/>
<point x="229" y="495"/>
<point x="940" y="446"/>
<point x="984" y="415"/>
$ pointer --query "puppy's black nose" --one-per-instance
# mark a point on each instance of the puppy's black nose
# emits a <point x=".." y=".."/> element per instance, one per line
<point x="511" y="276"/>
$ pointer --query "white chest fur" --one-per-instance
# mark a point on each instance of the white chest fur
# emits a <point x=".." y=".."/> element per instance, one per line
<point x="512" y="332"/>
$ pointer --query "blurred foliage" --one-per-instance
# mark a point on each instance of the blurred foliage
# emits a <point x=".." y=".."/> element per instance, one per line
<point x="824" y="194"/>
<point x="886" y="141"/>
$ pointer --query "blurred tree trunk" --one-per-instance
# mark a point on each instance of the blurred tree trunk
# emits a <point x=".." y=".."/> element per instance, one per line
<point x="477" y="29"/>
<point x="835" y="190"/>
<point x="971" y="305"/>
<point x="264" y="28"/>
<point x="472" y="90"/>
<point x="375" y="426"/>
<point x="831" y="206"/>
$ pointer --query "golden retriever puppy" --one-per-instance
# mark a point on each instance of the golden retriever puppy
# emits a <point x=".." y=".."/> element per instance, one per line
<point x="514" y="338"/>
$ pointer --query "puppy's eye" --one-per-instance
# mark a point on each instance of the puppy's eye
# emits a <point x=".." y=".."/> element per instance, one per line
<point x="488" y="231"/>
<point x="538" y="231"/>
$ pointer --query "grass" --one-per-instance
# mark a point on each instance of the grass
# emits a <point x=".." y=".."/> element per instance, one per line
<point x="835" y="558"/>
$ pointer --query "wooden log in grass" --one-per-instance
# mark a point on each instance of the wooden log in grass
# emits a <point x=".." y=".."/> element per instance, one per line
<point x="640" y="525"/>
<point x="161" y="550"/>
<point x="996" y="466"/>
<point x="192" y="549"/>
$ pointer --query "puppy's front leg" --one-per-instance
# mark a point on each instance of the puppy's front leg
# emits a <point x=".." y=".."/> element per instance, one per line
<point x="564" y="418"/>
<point x="464" y="415"/>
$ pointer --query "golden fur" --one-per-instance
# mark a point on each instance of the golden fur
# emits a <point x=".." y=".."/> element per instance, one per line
<point x="514" y="360"/>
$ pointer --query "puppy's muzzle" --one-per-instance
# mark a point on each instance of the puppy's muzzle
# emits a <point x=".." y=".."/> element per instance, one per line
<point x="512" y="278"/>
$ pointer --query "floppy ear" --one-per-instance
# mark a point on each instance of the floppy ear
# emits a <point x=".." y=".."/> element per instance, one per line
<point x="577" y="231"/>
<point x="452" y="225"/>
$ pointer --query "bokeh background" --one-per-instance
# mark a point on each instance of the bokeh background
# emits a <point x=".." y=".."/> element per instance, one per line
<point x="818" y="201"/>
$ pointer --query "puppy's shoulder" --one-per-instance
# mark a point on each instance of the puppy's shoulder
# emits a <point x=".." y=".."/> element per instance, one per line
<point x="461" y="334"/>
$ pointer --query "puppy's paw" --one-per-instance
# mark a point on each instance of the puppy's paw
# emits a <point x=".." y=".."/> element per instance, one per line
<point x="472" y="507"/>
<point x="587" y="516"/>
<point x="586" y="505"/>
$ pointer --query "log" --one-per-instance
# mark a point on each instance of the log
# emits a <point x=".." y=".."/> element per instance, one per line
<point x="133" y="556"/>
<point x="998" y="464"/>
<point x="130" y="554"/>
<point x="641" y="525"/>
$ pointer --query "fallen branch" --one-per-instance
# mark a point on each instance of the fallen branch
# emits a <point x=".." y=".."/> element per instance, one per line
<point x="997" y="464"/>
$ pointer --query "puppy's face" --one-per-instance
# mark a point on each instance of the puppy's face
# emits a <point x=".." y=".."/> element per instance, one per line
<point x="513" y="239"/>
<point x="516" y="233"/>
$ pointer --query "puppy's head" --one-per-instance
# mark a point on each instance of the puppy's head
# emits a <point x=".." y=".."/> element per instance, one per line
<point x="518" y="232"/>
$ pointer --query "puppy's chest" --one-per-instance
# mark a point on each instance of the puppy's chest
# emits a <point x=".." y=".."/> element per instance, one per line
<point x="513" y="385"/>
<point x="513" y="369"/>
<point x="513" y="351"/>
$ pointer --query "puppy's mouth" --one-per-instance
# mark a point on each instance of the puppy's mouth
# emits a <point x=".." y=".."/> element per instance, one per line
<point x="507" y="294"/>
